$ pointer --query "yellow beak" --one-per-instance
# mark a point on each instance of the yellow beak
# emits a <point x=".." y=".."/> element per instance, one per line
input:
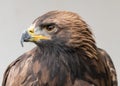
<point x="36" y="37"/>
<point x="30" y="36"/>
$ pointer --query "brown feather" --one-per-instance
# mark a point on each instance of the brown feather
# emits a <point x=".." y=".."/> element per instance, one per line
<point x="72" y="59"/>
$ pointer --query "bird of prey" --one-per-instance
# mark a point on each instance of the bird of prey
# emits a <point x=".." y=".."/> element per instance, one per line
<point x="65" y="55"/>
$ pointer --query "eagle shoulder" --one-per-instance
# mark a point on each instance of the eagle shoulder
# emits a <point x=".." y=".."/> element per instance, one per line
<point x="13" y="71"/>
<point x="109" y="67"/>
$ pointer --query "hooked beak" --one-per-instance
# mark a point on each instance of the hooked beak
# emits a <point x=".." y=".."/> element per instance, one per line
<point x="30" y="36"/>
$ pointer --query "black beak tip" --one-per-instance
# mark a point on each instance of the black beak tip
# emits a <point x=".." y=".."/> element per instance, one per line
<point x="24" y="38"/>
<point x="22" y="44"/>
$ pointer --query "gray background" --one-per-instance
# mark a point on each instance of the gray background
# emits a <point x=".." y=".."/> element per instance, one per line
<point x="16" y="15"/>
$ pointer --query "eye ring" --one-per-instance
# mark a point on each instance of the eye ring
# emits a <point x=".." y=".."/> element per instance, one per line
<point x="51" y="28"/>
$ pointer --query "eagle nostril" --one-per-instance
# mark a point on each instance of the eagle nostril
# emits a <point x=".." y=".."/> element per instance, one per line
<point x="31" y="31"/>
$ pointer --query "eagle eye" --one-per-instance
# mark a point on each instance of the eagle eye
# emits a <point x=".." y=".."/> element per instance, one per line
<point x="51" y="28"/>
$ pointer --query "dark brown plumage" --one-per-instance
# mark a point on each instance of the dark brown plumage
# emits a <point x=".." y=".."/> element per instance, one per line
<point x="66" y="55"/>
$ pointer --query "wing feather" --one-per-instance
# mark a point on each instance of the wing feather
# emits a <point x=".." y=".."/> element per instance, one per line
<point x="110" y="69"/>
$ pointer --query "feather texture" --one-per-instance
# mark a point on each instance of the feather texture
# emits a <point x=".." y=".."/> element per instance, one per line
<point x="70" y="58"/>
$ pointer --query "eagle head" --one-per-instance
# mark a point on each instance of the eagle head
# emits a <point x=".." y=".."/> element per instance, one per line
<point x="62" y="27"/>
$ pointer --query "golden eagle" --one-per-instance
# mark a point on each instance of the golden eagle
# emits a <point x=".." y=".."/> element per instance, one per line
<point x="66" y="55"/>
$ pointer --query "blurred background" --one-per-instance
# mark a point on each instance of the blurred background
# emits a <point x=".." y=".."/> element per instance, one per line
<point x="103" y="16"/>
